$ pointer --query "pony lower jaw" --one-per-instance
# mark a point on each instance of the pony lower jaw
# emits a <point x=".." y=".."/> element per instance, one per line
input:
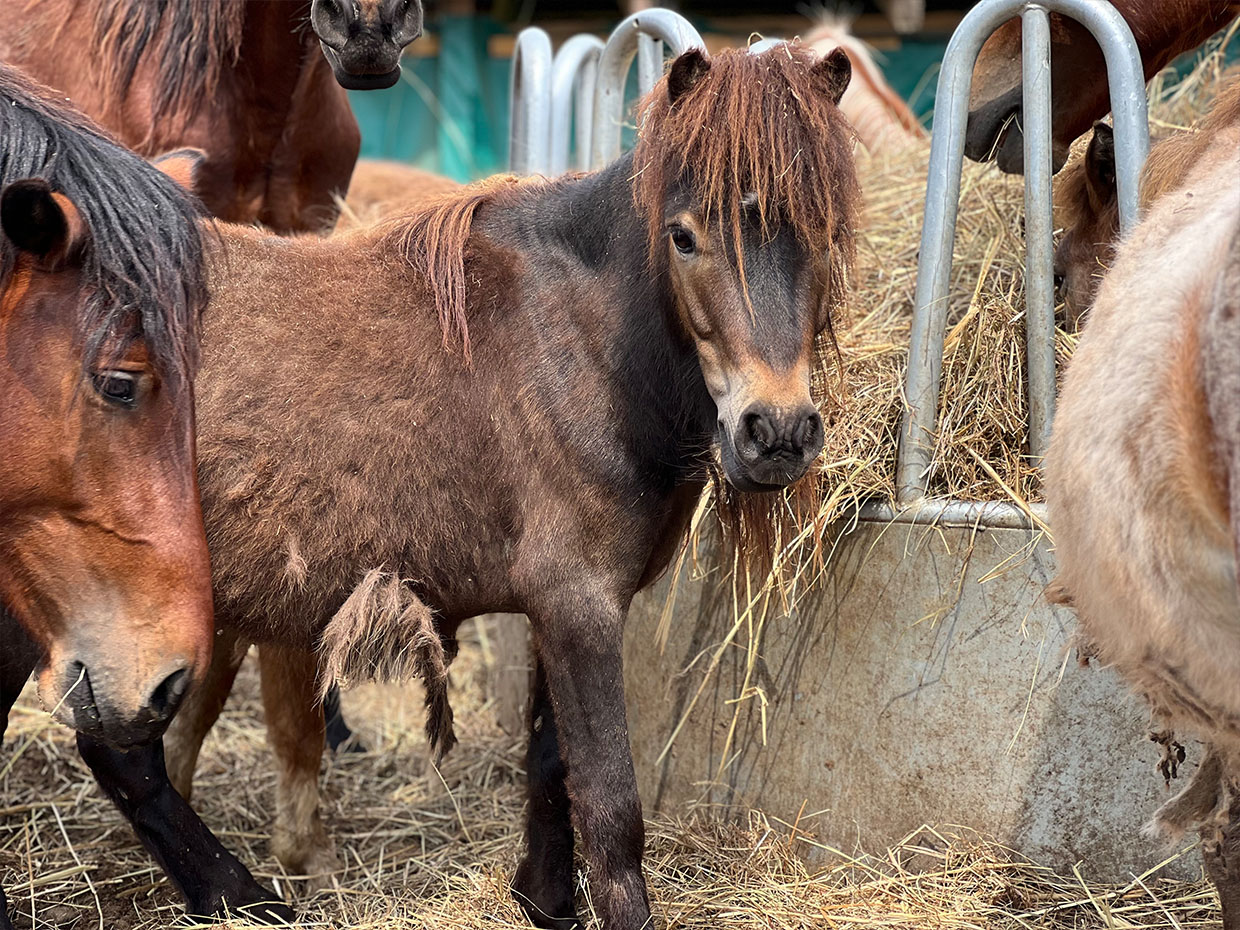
<point x="353" y="80"/>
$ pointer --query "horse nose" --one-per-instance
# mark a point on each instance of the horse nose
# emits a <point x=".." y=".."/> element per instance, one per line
<point x="407" y="22"/>
<point x="331" y="20"/>
<point x="121" y="722"/>
<point x="767" y="435"/>
<point x="167" y="696"/>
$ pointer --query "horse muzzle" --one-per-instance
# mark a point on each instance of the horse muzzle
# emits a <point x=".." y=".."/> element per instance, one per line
<point x="769" y="448"/>
<point x="111" y="704"/>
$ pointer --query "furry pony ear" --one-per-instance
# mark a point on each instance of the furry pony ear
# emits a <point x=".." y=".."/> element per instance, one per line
<point x="42" y="222"/>
<point x="1100" y="163"/>
<point x="686" y="71"/>
<point x="835" y="70"/>
<point x="183" y="165"/>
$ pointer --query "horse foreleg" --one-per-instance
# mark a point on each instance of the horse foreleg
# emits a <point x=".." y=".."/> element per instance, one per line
<point x="210" y="879"/>
<point x="17" y="661"/>
<point x="544" y="881"/>
<point x="295" y="733"/>
<point x="200" y="710"/>
<point x="1221" y="853"/>
<point x="578" y="641"/>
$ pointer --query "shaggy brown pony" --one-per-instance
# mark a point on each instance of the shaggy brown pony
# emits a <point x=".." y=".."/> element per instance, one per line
<point x="612" y="339"/>
<point x="1089" y="201"/>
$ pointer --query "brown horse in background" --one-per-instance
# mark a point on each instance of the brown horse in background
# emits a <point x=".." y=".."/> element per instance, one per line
<point x="1163" y="29"/>
<point x="1089" y="201"/>
<point x="507" y="402"/>
<point x="103" y="557"/>
<point x="242" y="80"/>
<point x="1143" y="475"/>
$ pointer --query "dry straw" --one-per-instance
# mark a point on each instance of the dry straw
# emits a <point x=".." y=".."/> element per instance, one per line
<point x="428" y="849"/>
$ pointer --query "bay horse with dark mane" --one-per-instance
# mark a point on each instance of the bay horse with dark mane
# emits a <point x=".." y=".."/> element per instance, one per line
<point x="507" y="401"/>
<point x="1080" y="93"/>
<point x="103" y="556"/>
<point x="242" y="80"/>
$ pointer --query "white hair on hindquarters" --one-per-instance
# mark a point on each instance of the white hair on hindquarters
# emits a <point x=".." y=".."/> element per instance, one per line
<point x="384" y="632"/>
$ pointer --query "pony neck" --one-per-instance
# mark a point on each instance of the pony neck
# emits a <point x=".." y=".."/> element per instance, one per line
<point x="655" y="364"/>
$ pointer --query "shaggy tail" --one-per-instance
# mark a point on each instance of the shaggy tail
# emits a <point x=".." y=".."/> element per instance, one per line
<point x="384" y="632"/>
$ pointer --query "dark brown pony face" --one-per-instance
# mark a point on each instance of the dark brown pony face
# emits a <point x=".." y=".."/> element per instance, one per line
<point x="363" y="39"/>
<point x="1090" y="203"/>
<point x="102" y="550"/>
<point x="745" y="172"/>
<point x="755" y="339"/>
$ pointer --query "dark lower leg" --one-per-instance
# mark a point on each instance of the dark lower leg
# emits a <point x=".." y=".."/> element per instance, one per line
<point x="581" y="652"/>
<point x="18" y="658"/>
<point x="544" y="882"/>
<point x="1222" y="859"/>
<point x="208" y="876"/>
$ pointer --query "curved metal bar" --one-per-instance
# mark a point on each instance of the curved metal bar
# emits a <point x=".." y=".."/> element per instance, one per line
<point x="939" y="512"/>
<point x="1127" y="84"/>
<point x="613" y="70"/>
<point x="574" y="74"/>
<point x="649" y="63"/>
<point x="529" y="144"/>
<point x="1039" y="227"/>
<point x="764" y="45"/>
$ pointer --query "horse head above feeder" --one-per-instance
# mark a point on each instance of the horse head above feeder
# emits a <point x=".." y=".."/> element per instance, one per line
<point x="1079" y="76"/>
<point x="363" y="41"/>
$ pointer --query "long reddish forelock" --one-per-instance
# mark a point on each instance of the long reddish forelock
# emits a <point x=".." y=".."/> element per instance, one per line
<point x="754" y="124"/>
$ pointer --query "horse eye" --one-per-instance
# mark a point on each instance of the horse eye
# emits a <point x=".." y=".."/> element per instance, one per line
<point x="119" y="387"/>
<point x="684" y="241"/>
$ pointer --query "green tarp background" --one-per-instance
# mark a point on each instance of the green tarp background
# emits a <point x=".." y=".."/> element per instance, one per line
<point x="450" y="113"/>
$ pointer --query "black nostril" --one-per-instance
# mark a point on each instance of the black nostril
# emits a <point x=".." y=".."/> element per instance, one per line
<point x="167" y="696"/>
<point x="760" y="432"/>
<point x="809" y="432"/>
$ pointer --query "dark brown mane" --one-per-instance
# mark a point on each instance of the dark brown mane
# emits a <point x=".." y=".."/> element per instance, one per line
<point x="433" y="239"/>
<point x="145" y="262"/>
<point x="193" y="41"/>
<point x="760" y="125"/>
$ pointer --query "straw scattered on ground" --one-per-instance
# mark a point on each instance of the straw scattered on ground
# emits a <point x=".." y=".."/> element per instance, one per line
<point x="436" y="851"/>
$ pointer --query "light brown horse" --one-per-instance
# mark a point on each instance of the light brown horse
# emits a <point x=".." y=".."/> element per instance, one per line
<point x="1163" y="29"/>
<point x="1089" y="202"/>
<point x="506" y="402"/>
<point x="242" y="80"/>
<point x="103" y="557"/>
<point x="1143" y="480"/>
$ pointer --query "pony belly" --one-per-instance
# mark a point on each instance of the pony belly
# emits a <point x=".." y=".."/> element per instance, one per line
<point x="1172" y="630"/>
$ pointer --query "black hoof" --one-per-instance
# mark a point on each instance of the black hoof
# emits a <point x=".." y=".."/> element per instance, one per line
<point x="5" y="923"/>
<point x="260" y="906"/>
<point x="549" y="906"/>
